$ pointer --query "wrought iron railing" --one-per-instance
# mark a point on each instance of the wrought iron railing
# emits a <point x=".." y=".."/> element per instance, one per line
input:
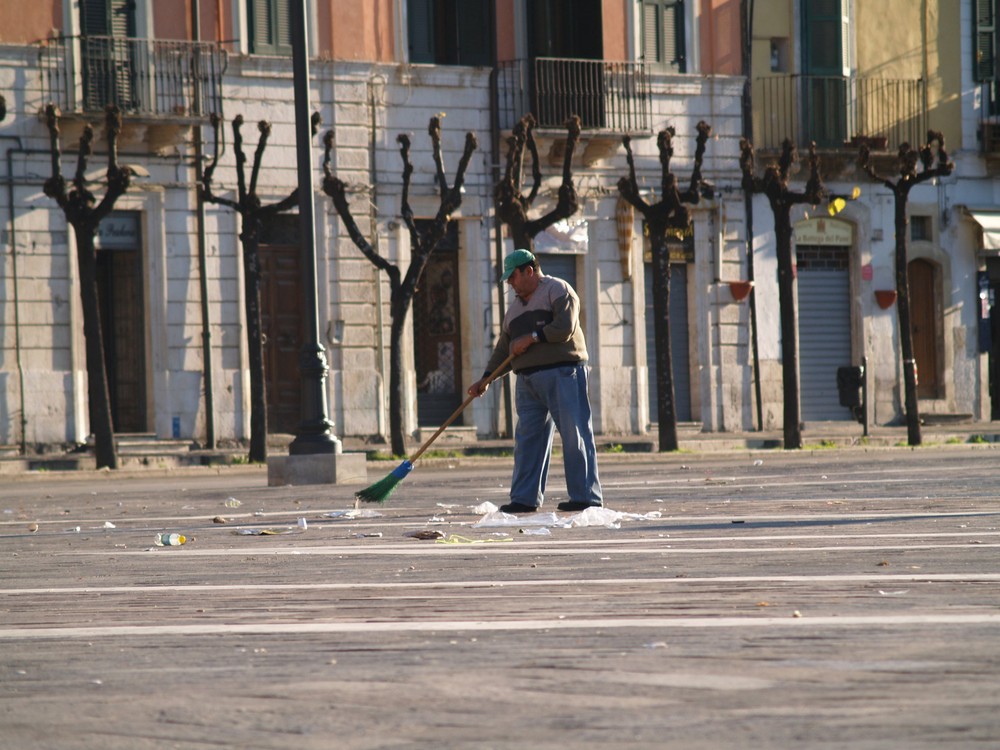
<point x="144" y="77"/>
<point x="608" y="96"/>
<point x="839" y="112"/>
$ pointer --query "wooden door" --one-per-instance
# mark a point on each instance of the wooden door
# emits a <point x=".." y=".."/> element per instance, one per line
<point x="119" y="284"/>
<point x="923" y="327"/>
<point x="281" y="322"/>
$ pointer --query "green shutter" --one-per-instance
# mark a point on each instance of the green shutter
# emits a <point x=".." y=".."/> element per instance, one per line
<point x="420" y="22"/>
<point x="984" y="65"/>
<point x="473" y="32"/>
<point x="94" y="19"/>
<point x="663" y="34"/>
<point x="825" y="31"/>
<point x="270" y="27"/>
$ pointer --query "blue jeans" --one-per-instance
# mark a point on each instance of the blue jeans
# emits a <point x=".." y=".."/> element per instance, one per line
<point x="547" y="399"/>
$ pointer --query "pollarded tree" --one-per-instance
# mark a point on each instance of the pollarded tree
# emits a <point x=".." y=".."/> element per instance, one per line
<point x="84" y="213"/>
<point x="774" y="184"/>
<point x="422" y="243"/>
<point x="669" y="215"/>
<point x="254" y="214"/>
<point x="513" y="205"/>
<point x="906" y="161"/>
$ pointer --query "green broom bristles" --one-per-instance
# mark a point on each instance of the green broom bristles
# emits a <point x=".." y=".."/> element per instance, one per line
<point x="380" y="491"/>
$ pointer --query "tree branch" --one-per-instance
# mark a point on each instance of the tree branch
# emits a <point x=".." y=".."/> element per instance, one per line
<point x="407" y="213"/>
<point x="264" y="128"/>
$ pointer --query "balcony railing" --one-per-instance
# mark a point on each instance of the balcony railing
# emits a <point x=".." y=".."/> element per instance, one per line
<point x="839" y="112"/>
<point x="608" y="96"/>
<point x="177" y="80"/>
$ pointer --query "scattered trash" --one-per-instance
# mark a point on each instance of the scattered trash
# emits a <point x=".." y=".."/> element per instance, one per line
<point x="739" y="521"/>
<point x="447" y="505"/>
<point x="758" y="462"/>
<point x="261" y="532"/>
<point x="219" y="519"/>
<point x="456" y="539"/>
<point x="369" y="534"/>
<point x="303" y="523"/>
<point x="33" y="528"/>
<point x="499" y="518"/>
<point x="894" y="593"/>
<point x="486" y="507"/>
<point x="655" y="644"/>
<point x="436" y="519"/>
<point x="796" y="613"/>
<point x="425" y="534"/>
<point x="354" y="513"/>
<point x="606" y="517"/>
<point x="108" y="525"/>
<point x="169" y="540"/>
<point x="543" y="531"/>
<point x="232" y="502"/>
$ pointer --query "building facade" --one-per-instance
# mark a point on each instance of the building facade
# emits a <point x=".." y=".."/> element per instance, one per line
<point x="173" y="287"/>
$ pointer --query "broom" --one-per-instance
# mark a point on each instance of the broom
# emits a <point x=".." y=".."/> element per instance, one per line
<point x="380" y="491"/>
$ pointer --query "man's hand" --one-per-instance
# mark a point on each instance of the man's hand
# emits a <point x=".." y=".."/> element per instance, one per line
<point x="479" y="387"/>
<point x="521" y="344"/>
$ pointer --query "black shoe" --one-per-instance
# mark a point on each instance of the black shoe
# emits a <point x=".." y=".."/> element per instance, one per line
<point x="518" y="508"/>
<point x="575" y="506"/>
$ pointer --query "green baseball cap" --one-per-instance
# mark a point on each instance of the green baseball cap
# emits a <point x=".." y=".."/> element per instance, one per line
<point x="515" y="260"/>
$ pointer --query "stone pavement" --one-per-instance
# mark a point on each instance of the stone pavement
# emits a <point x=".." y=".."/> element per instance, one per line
<point x="844" y="598"/>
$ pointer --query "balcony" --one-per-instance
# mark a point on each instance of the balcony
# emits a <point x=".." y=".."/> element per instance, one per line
<point x="839" y="112"/>
<point x="154" y="81"/>
<point x="611" y="98"/>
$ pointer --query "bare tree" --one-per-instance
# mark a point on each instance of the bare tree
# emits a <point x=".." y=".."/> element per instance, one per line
<point x="253" y="215"/>
<point x="906" y="161"/>
<point x="774" y="184"/>
<point x="422" y="243"/>
<point x="670" y="214"/>
<point x="84" y="214"/>
<point x="512" y="204"/>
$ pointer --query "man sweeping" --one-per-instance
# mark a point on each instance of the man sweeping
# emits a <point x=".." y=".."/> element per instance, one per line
<point x="542" y="330"/>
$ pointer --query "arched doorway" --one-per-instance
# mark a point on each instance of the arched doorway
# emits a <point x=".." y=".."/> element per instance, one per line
<point x="924" y="327"/>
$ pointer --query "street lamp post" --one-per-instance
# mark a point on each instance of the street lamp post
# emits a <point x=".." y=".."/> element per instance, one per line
<point x="315" y="434"/>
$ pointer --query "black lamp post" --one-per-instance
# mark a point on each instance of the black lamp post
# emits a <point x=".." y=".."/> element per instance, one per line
<point x="315" y="433"/>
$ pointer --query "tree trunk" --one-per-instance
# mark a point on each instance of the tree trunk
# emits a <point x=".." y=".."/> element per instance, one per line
<point x="99" y="401"/>
<point x="399" y="307"/>
<point x="789" y="339"/>
<point x="255" y="348"/>
<point x="905" y="332"/>
<point x="665" y="403"/>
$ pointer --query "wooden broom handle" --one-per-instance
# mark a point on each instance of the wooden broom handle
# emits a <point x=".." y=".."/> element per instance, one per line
<point x="459" y="410"/>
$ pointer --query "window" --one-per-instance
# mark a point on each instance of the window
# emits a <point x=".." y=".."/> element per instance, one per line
<point x="450" y="32"/>
<point x="825" y="62"/>
<point x="984" y="66"/>
<point x="921" y="229"/>
<point x="663" y="34"/>
<point x="106" y="54"/>
<point x="270" y="27"/>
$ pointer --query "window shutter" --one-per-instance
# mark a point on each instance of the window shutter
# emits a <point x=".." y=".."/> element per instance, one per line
<point x="663" y="33"/>
<point x="94" y="18"/>
<point x="270" y="27"/>
<point x="652" y="48"/>
<point x="826" y="32"/>
<point x="420" y="19"/>
<point x="282" y="26"/>
<point x="473" y="32"/>
<point x="984" y="65"/>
